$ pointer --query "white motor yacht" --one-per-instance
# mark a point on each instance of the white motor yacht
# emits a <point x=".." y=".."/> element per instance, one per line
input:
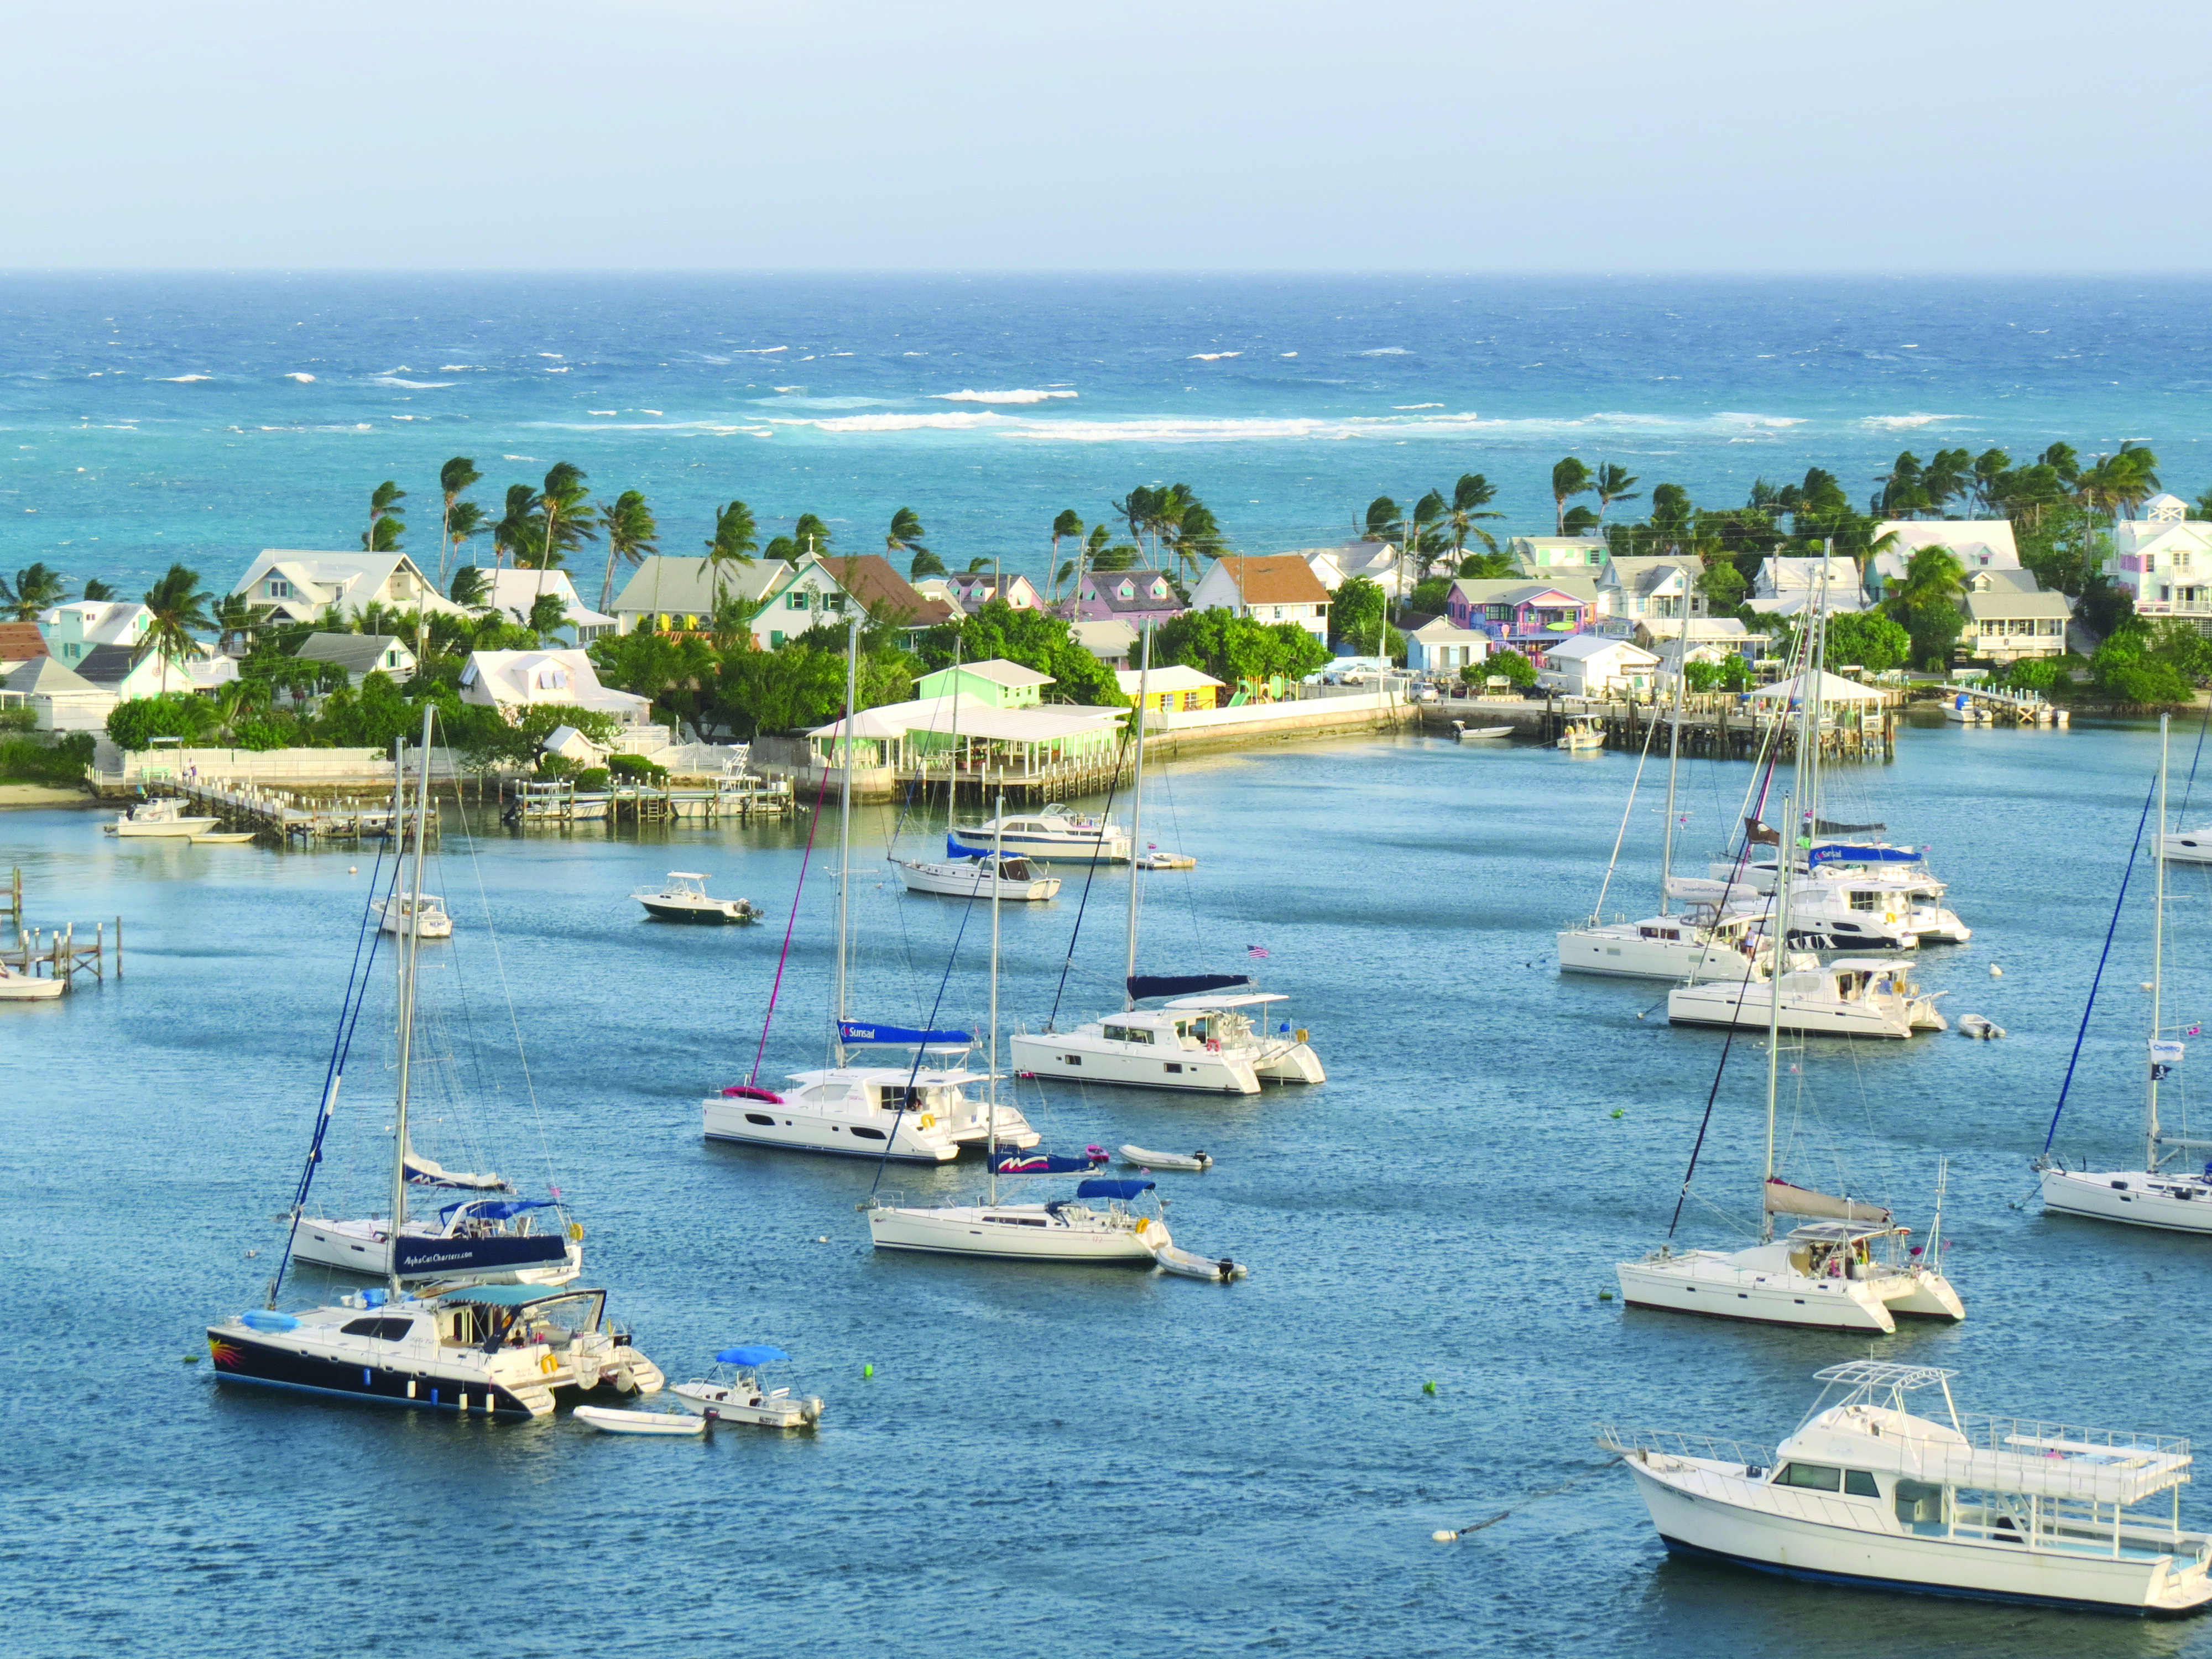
<point x="1152" y="1048"/>
<point x="2187" y="847"/>
<point x="428" y="909"/>
<point x="1053" y="832"/>
<point x="683" y="897"/>
<point x="1017" y="880"/>
<point x="1852" y="996"/>
<point x="912" y="1116"/>
<point x="166" y="817"/>
<point x="1868" y="1491"/>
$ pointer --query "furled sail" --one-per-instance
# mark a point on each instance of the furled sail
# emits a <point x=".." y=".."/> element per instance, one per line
<point x="1142" y="985"/>
<point x="1784" y="1199"/>
<point x="1822" y="827"/>
<point x="901" y="1036"/>
<point x="1698" y="890"/>
<point x="425" y="1172"/>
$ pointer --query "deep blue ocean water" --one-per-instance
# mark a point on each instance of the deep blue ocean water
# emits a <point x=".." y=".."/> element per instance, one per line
<point x="1044" y="1458"/>
<point x="144" y="419"/>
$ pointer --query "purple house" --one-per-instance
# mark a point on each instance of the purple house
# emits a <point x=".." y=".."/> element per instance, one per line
<point x="1134" y="597"/>
<point x="1529" y="617"/>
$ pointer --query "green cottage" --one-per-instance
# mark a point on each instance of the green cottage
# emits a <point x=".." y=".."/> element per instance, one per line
<point x="1000" y="683"/>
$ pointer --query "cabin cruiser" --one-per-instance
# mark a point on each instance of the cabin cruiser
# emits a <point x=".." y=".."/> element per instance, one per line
<point x="970" y="876"/>
<point x="428" y="909"/>
<point x="505" y="1350"/>
<point x="1860" y="903"/>
<point x="1054" y="832"/>
<point x="914" y="1114"/>
<point x="1852" y="996"/>
<point x="164" y="817"/>
<point x="1868" y="1491"/>
<point x="1203" y="1042"/>
<point x="683" y="897"/>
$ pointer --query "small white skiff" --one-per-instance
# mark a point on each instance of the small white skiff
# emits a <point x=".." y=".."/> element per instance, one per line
<point x="1156" y="859"/>
<point x="733" y="1392"/>
<point x="608" y="1420"/>
<point x="16" y="986"/>
<point x="1176" y="1259"/>
<point x="1150" y="1160"/>
<point x="223" y="838"/>
<point x="1483" y="733"/>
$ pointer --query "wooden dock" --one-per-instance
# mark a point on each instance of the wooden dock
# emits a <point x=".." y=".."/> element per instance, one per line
<point x="1720" y="729"/>
<point x="56" y="954"/>
<point x="288" y="816"/>
<point x="532" y="802"/>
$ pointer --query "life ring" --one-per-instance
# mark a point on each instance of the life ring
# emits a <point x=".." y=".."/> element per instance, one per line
<point x="927" y="1120"/>
<point x="1143" y="1222"/>
<point x="548" y="1363"/>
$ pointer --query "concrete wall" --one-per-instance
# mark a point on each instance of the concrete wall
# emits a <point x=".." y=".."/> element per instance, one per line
<point x="276" y="767"/>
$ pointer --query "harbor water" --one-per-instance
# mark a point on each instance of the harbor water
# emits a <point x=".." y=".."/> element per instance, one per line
<point x="1047" y="1457"/>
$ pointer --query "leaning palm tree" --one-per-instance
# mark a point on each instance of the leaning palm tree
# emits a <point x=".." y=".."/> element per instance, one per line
<point x="386" y="524"/>
<point x="811" y="534"/>
<point x="905" y="537"/>
<point x="464" y="524"/>
<point x="178" y="608"/>
<point x="471" y="587"/>
<point x="1471" y="499"/>
<point x="96" y="589"/>
<point x="1611" y="483"/>
<point x="36" y="588"/>
<point x="564" y="521"/>
<point x="236" y="618"/>
<point x="515" y="534"/>
<point x="1429" y="534"/>
<point x="456" y="475"/>
<point x="1570" y="478"/>
<point x="735" y="540"/>
<point x="631" y="535"/>
<point x="1069" y="523"/>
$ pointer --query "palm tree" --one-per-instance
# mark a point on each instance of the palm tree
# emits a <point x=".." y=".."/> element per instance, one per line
<point x="1069" y="523"/>
<point x="179" y="610"/>
<point x="455" y="476"/>
<point x="515" y="536"/>
<point x="1945" y="477"/>
<point x="1989" y="469"/>
<point x="235" y="617"/>
<point x="463" y="523"/>
<point x="811" y="534"/>
<point x="35" y="588"/>
<point x="1385" y="523"/>
<point x="1612" y="484"/>
<point x="1138" y="510"/>
<point x="631" y="535"/>
<point x="1570" y="478"/>
<point x="1195" y="535"/>
<point x="733" y="543"/>
<point x="386" y="522"/>
<point x="548" y="614"/>
<point x="96" y="589"/>
<point x="905" y="537"/>
<point x="564" y="521"/>
<point x="471" y="586"/>
<point x="924" y="563"/>
<point x="237" y="703"/>
<point x="1471" y="499"/>
<point x="1429" y="534"/>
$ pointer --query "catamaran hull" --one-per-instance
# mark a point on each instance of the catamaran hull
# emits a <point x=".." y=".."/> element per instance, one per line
<point x="757" y="1124"/>
<point x="1840" y="1304"/>
<point x="1593" y="950"/>
<point x="251" y="1358"/>
<point x="1087" y="1061"/>
<point x="1728" y="1004"/>
<point x="968" y="1233"/>
<point x="1295" y="1064"/>
<point x="2132" y="1198"/>
<point x="1705" y="1526"/>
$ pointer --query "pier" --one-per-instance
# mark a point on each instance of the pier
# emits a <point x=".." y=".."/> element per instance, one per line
<point x="285" y="815"/>
<point x="742" y="797"/>
<point x="1715" y="728"/>
<point x="55" y="952"/>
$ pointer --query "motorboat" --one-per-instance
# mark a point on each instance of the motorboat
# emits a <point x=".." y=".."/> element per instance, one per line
<point x="910" y="1115"/>
<point x="1097" y="1226"/>
<point x="502" y="1349"/>
<point x="1176" y="1259"/>
<point x="733" y="1392"/>
<point x="1156" y="859"/>
<point x="16" y="986"/>
<point x="1581" y="737"/>
<point x="427" y="911"/>
<point x="1480" y="734"/>
<point x="1852" y="996"/>
<point x="2153" y="1195"/>
<point x="683" y="897"/>
<point x="1054" y="832"/>
<point x="490" y="1240"/>
<point x="609" y="1419"/>
<point x="1871" y="1491"/>
<point x="1140" y="1158"/>
<point x="1019" y="880"/>
<point x="166" y="817"/>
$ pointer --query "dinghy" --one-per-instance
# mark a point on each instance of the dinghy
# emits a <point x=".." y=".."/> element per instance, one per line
<point x="1483" y="733"/>
<point x="1156" y="859"/>
<point x="733" y="1393"/>
<point x="608" y="1420"/>
<point x="1137" y="1155"/>
<point x="1177" y="1259"/>
<point x="223" y="838"/>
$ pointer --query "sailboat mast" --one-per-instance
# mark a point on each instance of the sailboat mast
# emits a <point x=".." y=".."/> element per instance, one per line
<point x="845" y="822"/>
<point x="1136" y="812"/>
<point x="410" y="949"/>
<point x="991" y="1085"/>
<point x="1675" y="745"/>
<point x="1778" y="961"/>
<point x="2157" y="956"/>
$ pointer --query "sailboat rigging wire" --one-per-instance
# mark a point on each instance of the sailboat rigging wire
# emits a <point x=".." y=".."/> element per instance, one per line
<point x="784" y="955"/>
<point x="1105" y="818"/>
<point x="1597" y="910"/>
<point x="2126" y="872"/>
<point x="349" y="1008"/>
<point x="2202" y="726"/>
<point x="898" y="1114"/>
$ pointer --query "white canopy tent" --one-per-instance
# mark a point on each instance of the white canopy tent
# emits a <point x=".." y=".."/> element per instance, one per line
<point x="1831" y="687"/>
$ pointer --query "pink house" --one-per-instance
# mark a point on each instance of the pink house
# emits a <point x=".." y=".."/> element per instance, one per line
<point x="1529" y="617"/>
<point x="1135" y="597"/>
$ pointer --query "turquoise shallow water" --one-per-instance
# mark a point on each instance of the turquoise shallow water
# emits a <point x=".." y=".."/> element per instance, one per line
<point x="1048" y="1457"/>
<point x="144" y="419"/>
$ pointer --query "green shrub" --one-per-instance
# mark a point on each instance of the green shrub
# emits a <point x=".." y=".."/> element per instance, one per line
<point x="556" y="766"/>
<point x="635" y="768"/>
<point x="61" y="764"/>
<point x="592" y="780"/>
<point x="19" y="720"/>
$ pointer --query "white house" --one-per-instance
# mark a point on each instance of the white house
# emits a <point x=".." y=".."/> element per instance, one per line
<point x="1376" y="560"/>
<point x="1113" y="642"/>
<point x="676" y="594"/>
<point x="1660" y="590"/>
<point x="1787" y="586"/>
<point x="1592" y="665"/>
<point x="2008" y="616"/>
<point x="127" y="671"/>
<point x="970" y="590"/>
<point x="1710" y="638"/>
<point x="361" y="655"/>
<point x="74" y="628"/>
<point x="1552" y="557"/>
<point x="1443" y="647"/>
<point x="514" y="594"/>
<point x="301" y="586"/>
<point x="1978" y="544"/>
<point x="1277" y="587"/>
<point x="61" y="700"/>
<point x="2164" y="561"/>
<point x="510" y="681"/>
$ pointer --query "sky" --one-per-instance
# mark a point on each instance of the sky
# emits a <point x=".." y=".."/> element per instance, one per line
<point x="1464" y="136"/>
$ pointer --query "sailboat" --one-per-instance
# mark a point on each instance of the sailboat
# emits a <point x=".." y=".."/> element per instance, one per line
<point x="917" y="1113"/>
<point x="1097" y="1226"/>
<point x="504" y="1349"/>
<point x="1847" y="1267"/>
<point x="1204" y="1039"/>
<point x="2152" y="1195"/>
<point x="1710" y="942"/>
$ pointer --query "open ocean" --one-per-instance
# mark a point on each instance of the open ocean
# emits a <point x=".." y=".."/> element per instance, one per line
<point x="144" y="419"/>
<point x="1046" y="1458"/>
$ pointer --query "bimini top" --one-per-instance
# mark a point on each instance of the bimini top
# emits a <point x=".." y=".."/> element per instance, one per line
<point x="1113" y="1186"/>
<point x="901" y="1036"/>
<point x="495" y="1209"/>
<point x="757" y="1353"/>
<point x="1249" y="1000"/>
<point x="512" y="1296"/>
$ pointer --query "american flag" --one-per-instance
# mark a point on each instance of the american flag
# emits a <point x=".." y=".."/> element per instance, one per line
<point x="1255" y="951"/>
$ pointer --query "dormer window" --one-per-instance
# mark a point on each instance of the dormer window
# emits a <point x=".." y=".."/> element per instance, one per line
<point x="277" y="588"/>
<point x="553" y="677"/>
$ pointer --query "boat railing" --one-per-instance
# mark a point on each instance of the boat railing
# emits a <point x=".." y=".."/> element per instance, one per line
<point x="2050" y="1460"/>
<point x="1627" y="1443"/>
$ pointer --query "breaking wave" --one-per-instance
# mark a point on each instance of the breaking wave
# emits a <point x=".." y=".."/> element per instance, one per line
<point x="1905" y="423"/>
<point x="1019" y="395"/>
<point x="409" y="385"/>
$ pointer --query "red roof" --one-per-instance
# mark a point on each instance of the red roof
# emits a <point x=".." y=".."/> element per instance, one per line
<point x="1275" y="579"/>
<point x="20" y="642"/>
<point x="876" y="583"/>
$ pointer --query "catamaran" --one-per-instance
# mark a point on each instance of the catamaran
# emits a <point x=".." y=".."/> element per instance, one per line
<point x="1870" y="1492"/>
<point x="502" y="1349"/>
<point x="2156" y="1194"/>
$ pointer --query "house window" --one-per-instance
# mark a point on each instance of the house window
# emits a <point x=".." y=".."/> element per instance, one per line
<point x="833" y="602"/>
<point x="795" y="601"/>
<point x="279" y="590"/>
<point x="553" y="678"/>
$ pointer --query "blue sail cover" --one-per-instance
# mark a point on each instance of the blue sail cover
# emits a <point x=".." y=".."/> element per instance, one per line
<point x="1043" y="1163"/>
<point x="954" y="850"/>
<point x="494" y="1209"/>
<point x="1142" y="985"/>
<point x="901" y="1036"/>
<point x="1840" y="852"/>
<point x="756" y="1353"/>
<point x="1113" y="1186"/>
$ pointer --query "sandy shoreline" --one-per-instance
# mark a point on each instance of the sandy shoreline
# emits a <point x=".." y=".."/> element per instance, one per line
<point x="42" y="795"/>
